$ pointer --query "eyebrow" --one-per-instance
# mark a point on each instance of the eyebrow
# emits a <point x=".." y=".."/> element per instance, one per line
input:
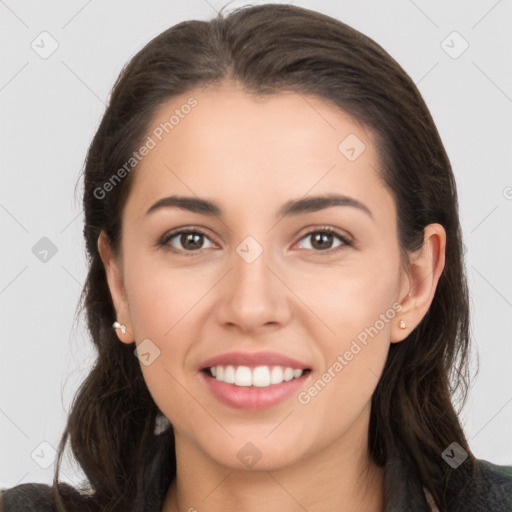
<point x="293" y="207"/>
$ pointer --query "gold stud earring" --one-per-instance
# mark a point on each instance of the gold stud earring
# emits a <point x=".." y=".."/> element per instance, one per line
<point x="117" y="325"/>
<point x="402" y="324"/>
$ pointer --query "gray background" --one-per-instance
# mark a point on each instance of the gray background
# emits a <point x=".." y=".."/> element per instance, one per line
<point x="52" y="106"/>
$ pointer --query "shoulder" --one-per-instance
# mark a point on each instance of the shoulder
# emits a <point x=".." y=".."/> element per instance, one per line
<point x="492" y="487"/>
<point x="498" y="477"/>
<point x="495" y="471"/>
<point x="36" y="497"/>
<point x="25" y="497"/>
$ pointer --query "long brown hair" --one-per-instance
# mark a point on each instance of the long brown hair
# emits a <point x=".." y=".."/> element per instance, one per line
<point x="269" y="49"/>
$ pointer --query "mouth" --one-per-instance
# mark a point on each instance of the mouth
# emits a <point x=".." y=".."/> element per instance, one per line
<point x="253" y="388"/>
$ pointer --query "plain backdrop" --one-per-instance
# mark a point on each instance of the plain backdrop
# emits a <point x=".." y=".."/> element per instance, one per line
<point x="458" y="53"/>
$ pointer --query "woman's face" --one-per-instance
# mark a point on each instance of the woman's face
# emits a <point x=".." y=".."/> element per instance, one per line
<point x="248" y="281"/>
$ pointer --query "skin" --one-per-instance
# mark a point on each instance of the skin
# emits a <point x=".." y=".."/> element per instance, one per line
<point x="251" y="155"/>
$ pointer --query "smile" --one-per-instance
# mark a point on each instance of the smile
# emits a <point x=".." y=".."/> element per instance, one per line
<point x="259" y="376"/>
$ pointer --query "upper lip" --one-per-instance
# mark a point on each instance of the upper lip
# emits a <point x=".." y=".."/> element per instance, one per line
<point x="253" y="359"/>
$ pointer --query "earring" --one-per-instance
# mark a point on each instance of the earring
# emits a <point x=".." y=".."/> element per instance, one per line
<point x="117" y="325"/>
<point x="402" y="324"/>
<point x="161" y="424"/>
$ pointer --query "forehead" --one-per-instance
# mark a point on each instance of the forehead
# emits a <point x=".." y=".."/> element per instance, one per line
<point x="224" y="142"/>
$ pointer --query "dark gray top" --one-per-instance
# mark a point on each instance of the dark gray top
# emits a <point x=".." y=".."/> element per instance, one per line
<point x="490" y="492"/>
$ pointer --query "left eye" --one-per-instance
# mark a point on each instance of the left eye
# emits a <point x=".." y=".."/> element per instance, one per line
<point x="323" y="238"/>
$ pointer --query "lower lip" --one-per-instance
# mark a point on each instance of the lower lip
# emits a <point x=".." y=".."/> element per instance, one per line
<point x="250" y="397"/>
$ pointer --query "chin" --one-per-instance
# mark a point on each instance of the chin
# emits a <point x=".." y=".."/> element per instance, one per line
<point x="253" y="453"/>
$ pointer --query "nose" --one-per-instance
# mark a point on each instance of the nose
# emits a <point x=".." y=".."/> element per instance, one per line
<point x="253" y="296"/>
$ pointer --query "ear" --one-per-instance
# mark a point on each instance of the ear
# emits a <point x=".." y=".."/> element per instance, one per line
<point x="419" y="282"/>
<point x="113" y="270"/>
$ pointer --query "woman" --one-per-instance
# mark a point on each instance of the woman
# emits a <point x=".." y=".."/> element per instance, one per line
<point x="272" y="225"/>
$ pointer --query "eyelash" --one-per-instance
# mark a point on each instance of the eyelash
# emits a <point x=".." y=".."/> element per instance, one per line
<point x="322" y="229"/>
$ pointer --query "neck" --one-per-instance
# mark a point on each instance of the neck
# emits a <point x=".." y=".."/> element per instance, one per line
<point x="339" y="477"/>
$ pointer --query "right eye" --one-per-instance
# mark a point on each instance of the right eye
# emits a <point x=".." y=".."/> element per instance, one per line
<point x="191" y="240"/>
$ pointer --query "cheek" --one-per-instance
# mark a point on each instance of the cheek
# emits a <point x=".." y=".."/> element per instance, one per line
<point x="349" y="298"/>
<point x="161" y="296"/>
<point x="164" y="304"/>
<point x="161" y="309"/>
<point x="354" y="308"/>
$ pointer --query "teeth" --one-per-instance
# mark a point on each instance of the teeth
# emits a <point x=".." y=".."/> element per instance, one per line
<point x="259" y="376"/>
<point x="243" y="376"/>
<point x="229" y="375"/>
<point x="276" y="376"/>
<point x="288" y="374"/>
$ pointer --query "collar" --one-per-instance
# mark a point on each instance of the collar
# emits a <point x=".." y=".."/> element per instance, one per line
<point x="403" y="491"/>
